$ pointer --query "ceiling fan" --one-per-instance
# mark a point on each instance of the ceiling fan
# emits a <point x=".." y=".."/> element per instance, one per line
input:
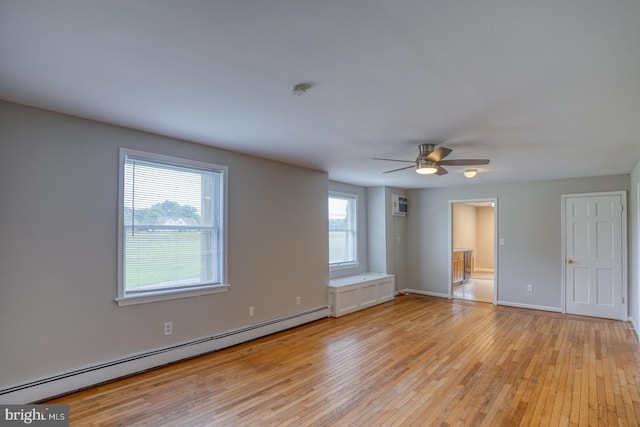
<point x="429" y="161"/>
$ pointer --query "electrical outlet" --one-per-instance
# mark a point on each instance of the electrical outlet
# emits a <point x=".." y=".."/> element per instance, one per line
<point x="298" y="300"/>
<point x="251" y="311"/>
<point x="168" y="328"/>
<point x="529" y="288"/>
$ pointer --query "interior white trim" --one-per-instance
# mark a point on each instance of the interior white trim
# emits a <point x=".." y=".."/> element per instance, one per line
<point x="531" y="306"/>
<point x="66" y="382"/>
<point x="505" y="303"/>
<point x="635" y="327"/>
<point x="427" y="293"/>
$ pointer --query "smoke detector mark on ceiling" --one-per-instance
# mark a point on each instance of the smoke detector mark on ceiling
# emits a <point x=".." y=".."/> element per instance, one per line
<point x="301" y="88"/>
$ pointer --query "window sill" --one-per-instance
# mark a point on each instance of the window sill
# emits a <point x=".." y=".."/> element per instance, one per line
<point x="169" y="295"/>
<point x="344" y="266"/>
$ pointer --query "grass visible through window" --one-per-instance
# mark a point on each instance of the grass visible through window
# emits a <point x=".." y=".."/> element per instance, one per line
<point x="167" y="258"/>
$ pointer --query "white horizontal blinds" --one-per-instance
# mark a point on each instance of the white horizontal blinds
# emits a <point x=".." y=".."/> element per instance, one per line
<point x="342" y="230"/>
<point x="172" y="220"/>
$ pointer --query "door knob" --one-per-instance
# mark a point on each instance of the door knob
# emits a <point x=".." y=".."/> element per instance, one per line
<point x="569" y="261"/>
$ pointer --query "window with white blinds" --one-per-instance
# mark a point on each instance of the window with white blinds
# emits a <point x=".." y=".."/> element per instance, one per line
<point x="343" y="232"/>
<point x="172" y="236"/>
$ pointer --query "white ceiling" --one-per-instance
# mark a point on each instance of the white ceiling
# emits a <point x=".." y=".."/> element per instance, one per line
<point x="544" y="89"/>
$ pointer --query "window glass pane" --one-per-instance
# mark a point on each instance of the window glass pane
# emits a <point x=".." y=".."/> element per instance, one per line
<point x="161" y="258"/>
<point x="342" y="229"/>
<point x="158" y="195"/>
<point x="172" y="226"/>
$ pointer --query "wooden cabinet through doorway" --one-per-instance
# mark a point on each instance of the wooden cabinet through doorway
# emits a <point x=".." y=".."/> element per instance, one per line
<point x="461" y="266"/>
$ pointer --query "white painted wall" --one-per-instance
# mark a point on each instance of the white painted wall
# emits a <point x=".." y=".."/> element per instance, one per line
<point x="528" y="220"/>
<point x="58" y="233"/>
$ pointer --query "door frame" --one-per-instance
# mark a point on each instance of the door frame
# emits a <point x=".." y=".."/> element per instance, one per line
<point x="493" y="200"/>
<point x="624" y="249"/>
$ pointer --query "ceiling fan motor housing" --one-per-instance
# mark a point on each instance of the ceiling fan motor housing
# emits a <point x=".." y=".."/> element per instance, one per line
<point x="425" y="150"/>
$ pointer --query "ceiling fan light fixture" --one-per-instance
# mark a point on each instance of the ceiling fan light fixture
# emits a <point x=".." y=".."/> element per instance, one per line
<point x="470" y="173"/>
<point x="426" y="167"/>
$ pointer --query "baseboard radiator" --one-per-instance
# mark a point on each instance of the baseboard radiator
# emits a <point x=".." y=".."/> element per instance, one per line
<point x="78" y="379"/>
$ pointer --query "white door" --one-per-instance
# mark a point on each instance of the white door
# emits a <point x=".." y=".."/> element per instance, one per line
<point x="594" y="255"/>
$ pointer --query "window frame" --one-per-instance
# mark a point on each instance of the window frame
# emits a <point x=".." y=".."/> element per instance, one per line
<point x="125" y="298"/>
<point x="352" y="198"/>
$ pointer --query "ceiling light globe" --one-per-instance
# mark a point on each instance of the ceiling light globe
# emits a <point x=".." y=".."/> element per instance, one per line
<point x="470" y="173"/>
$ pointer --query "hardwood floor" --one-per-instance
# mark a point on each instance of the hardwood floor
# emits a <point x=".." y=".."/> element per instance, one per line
<point x="413" y="361"/>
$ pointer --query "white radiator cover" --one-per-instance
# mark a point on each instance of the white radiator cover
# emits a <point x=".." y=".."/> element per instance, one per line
<point x="66" y="382"/>
<point x="353" y="293"/>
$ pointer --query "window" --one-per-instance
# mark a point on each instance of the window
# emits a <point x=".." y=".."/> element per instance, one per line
<point x="172" y="228"/>
<point x="343" y="234"/>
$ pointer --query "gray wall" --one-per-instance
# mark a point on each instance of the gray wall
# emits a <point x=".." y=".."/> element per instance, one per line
<point x="528" y="220"/>
<point x="377" y="229"/>
<point x="59" y="198"/>
<point x="386" y="234"/>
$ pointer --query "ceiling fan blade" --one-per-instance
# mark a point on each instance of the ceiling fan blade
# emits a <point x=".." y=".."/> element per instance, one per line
<point x="394" y="160"/>
<point x="439" y="154"/>
<point x="464" y="162"/>
<point x="441" y="171"/>
<point x="401" y="169"/>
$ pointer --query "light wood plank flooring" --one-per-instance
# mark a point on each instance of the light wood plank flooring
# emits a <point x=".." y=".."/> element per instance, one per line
<point x="414" y="361"/>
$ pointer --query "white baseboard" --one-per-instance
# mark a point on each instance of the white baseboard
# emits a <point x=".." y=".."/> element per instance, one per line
<point x="530" y="306"/>
<point x="66" y="382"/>
<point x="507" y="303"/>
<point x="634" y="327"/>
<point x="428" y="293"/>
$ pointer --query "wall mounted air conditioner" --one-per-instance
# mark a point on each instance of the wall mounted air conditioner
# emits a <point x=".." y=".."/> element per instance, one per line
<point x="399" y="205"/>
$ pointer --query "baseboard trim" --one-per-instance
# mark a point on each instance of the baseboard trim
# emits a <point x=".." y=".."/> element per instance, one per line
<point x="530" y="306"/>
<point x="506" y="303"/>
<point x="78" y="379"/>
<point x="428" y="293"/>
<point x="483" y="270"/>
<point x="634" y="328"/>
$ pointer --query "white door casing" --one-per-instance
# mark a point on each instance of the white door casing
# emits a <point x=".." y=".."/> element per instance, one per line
<point x="594" y="254"/>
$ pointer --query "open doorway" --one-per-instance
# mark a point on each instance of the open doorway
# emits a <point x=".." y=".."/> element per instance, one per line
<point x="473" y="250"/>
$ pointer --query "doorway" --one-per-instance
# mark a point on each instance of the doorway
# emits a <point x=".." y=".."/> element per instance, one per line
<point x="473" y="254"/>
